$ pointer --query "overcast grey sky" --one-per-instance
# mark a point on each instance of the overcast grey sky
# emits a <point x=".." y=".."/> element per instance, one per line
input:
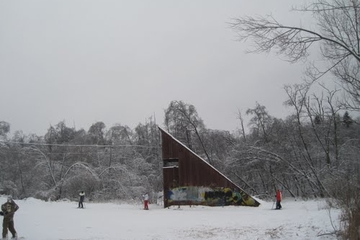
<point x="124" y="61"/>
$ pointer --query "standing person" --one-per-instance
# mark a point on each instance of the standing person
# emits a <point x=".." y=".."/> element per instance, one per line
<point x="82" y="196"/>
<point x="9" y="208"/>
<point x="278" y="197"/>
<point x="146" y="201"/>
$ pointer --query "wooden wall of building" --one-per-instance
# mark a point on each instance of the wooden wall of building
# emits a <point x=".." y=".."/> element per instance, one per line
<point x="190" y="180"/>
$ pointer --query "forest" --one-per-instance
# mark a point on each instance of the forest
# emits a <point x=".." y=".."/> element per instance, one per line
<point x="307" y="154"/>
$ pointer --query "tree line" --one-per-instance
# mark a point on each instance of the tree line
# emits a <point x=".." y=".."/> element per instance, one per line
<point x="306" y="154"/>
<point x="118" y="163"/>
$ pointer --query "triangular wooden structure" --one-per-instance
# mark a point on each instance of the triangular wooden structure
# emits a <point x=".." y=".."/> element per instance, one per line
<point x="190" y="180"/>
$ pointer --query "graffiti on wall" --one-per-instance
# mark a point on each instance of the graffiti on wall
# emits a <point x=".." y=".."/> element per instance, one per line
<point x="209" y="196"/>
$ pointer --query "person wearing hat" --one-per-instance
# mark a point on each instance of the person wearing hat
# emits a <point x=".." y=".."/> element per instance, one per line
<point x="8" y="209"/>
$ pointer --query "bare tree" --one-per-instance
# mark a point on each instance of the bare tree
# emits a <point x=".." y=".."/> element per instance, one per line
<point x="181" y="119"/>
<point x="337" y="31"/>
<point x="260" y="121"/>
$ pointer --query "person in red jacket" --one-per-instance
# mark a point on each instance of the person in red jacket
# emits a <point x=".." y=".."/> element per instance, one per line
<point x="146" y="201"/>
<point x="278" y="199"/>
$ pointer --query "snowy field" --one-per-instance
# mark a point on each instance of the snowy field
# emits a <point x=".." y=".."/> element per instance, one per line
<point x="39" y="220"/>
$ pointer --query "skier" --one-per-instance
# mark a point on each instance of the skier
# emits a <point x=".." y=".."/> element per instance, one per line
<point x="82" y="196"/>
<point x="8" y="210"/>
<point x="146" y="201"/>
<point x="278" y="197"/>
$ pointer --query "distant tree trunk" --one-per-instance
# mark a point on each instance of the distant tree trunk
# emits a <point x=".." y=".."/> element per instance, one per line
<point x="242" y="125"/>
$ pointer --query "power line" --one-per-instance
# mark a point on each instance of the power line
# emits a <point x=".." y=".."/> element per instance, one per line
<point x="78" y="145"/>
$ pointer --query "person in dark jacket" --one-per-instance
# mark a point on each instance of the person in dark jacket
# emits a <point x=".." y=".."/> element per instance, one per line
<point x="82" y="196"/>
<point x="8" y="209"/>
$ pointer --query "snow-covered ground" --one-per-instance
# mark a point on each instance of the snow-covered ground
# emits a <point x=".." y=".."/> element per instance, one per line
<point x="39" y="220"/>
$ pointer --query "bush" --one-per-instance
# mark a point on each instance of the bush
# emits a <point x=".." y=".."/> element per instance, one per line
<point x="347" y="197"/>
<point x="9" y="188"/>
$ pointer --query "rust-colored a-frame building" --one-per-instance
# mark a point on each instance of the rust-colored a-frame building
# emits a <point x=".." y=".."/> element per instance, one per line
<point x="190" y="180"/>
